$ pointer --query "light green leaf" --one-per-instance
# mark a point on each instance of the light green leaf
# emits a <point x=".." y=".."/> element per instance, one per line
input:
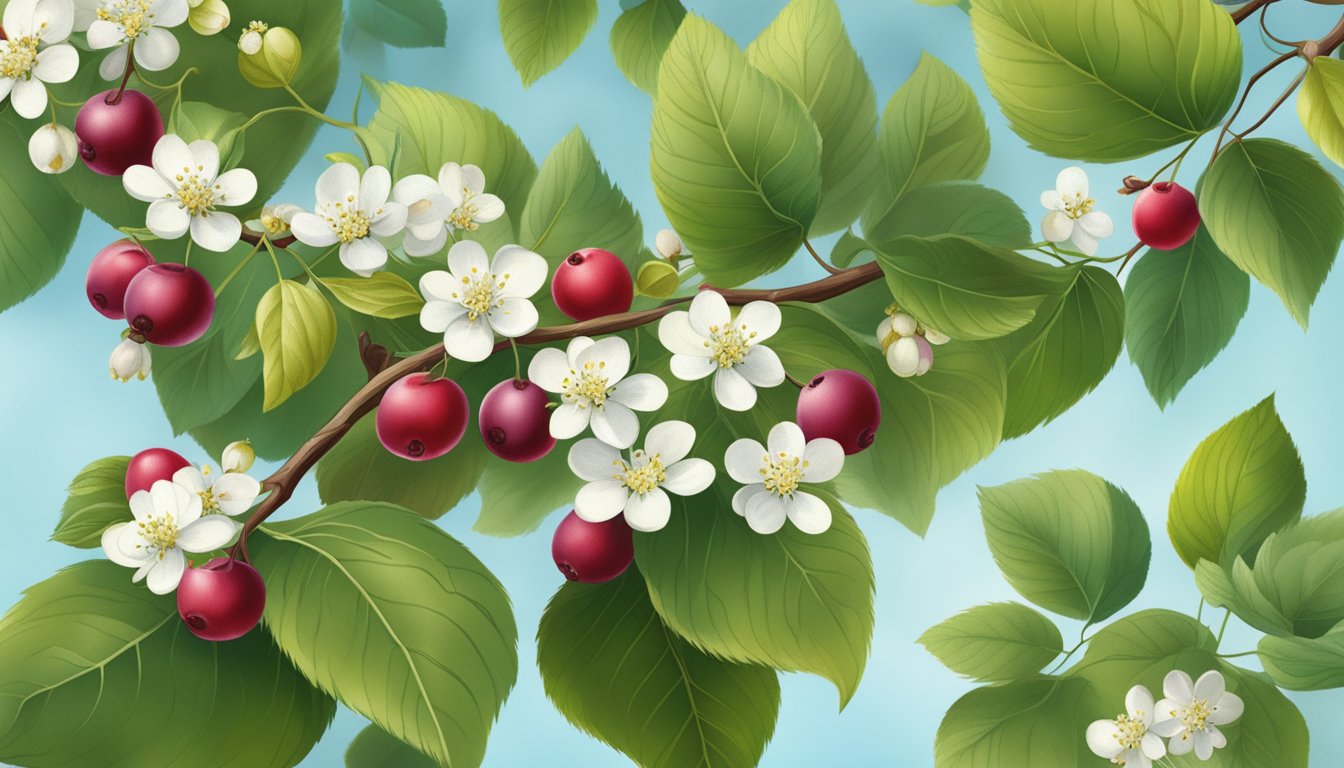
<point x="403" y="23"/>
<point x="432" y="671"/>
<point x="1242" y="483"/>
<point x="615" y="671"/>
<point x="95" y="668"/>
<point x="1301" y="664"/>
<point x="200" y="121"/>
<point x="1181" y="309"/>
<point x="1069" y="542"/>
<point x="736" y="158"/>
<point x="954" y="208"/>
<point x="1108" y="80"/>
<point x="640" y="37"/>
<point x="40" y="221"/>
<point x="297" y="330"/>
<point x="807" y="51"/>
<point x="1320" y="105"/>
<point x="1028" y="722"/>
<point x="1253" y="200"/>
<point x="998" y="642"/>
<point x="374" y="748"/>
<point x="849" y="249"/>
<point x="97" y="499"/>
<point x="382" y="294"/>
<point x="540" y="34"/>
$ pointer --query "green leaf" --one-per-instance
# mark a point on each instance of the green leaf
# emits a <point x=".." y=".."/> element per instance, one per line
<point x="1181" y="309"/>
<point x="403" y="23"/>
<point x="954" y="208"/>
<point x="1302" y="664"/>
<point x="640" y="37"/>
<point x="1108" y="80"/>
<point x="374" y="748"/>
<point x="966" y="289"/>
<point x="1320" y="105"/>
<point x="736" y="158"/>
<point x="807" y="51"/>
<point x="540" y="34"/>
<point x="1027" y="722"/>
<point x="297" y="330"/>
<point x="616" y="672"/>
<point x="998" y="642"/>
<point x="1069" y="542"/>
<point x="200" y="121"/>
<point x="40" y="221"/>
<point x="93" y="665"/>
<point x="382" y="294"/>
<point x="425" y="633"/>
<point x="97" y="500"/>
<point x="1066" y="351"/>
<point x="932" y="130"/>
<point x="1241" y="484"/>
<point x="1254" y="200"/>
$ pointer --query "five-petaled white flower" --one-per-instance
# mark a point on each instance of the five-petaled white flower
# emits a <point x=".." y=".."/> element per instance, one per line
<point x="772" y="475"/>
<point x="476" y="299"/>
<point x="638" y="487"/>
<point x="1071" y="216"/>
<point x="457" y="201"/>
<point x="708" y="339"/>
<point x="906" y="343"/>
<point x="353" y="211"/>
<point x="168" y="522"/>
<point x="35" y="52"/>
<point x="590" y="378"/>
<point x="1192" y="711"/>
<point x="139" y="24"/>
<point x="185" y="187"/>
<point x="228" y="493"/>
<point x="1129" y="739"/>
<point x="130" y="359"/>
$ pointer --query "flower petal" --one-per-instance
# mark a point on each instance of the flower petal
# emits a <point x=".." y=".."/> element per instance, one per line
<point x="808" y="513"/>
<point x="55" y="19"/>
<point x="1052" y="200"/>
<point x="467" y="258"/>
<point x="165" y="575"/>
<point x="1057" y="226"/>
<point x="612" y="354"/>
<point x="689" y="477"/>
<point x="591" y="459"/>
<point x="169" y="13"/>
<point x="171" y="156"/>
<point x="548" y="370"/>
<point x="216" y="231"/>
<point x="648" y="512"/>
<point x="576" y="347"/>
<point x="113" y="64"/>
<point x="1072" y="181"/>
<point x="743" y="497"/>
<point x="765" y="513"/>
<point x="822" y="460"/>
<point x="364" y="256"/>
<point x="680" y="338"/>
<point x="451" y="183"/>
<point x="743" y="460"/>
<point x="312" y="229"/>
<point x="1178" y="687"/>
<point x="733" y="391"/>
<point x="670" y="441"/>
<point x="709" y="310"/>
<point x="145" y="184"/>
<point x="522" y="271"/>
<point x="1210" y="686"/>
<point x="761" y="367"/>
<point x="488" y="208"/>
<point x="1097" y="224"/>
<point x="690" y="368"/>
<point x="389" y="220"/>
<point x="29" y="98"/>
<point x="602" y="500"/>
<point x="1226" y="709"/>
<point x="57" y="64"/>
<point x="1103" y="739"/>
<point x="235" y="492"/>
<point x="903" y="357"/>
<point x="615" y="425"/>
<point x="1152" y="746"/>
<point x="568" y="420"/>
<point x="375" y="187"/>
<point x="1139" y="703"/>
<point x="423" y="199"/>
<point x="338" y="184"/>
<point x="761" y="318"/>
<point x="207" y="534"/>
<point x="472" y="179"/>
<point x="236" y="187"/>
<point x="156" y="49"/>
<point x="167" y="220"/>
<point x="436" y="316"/>
<point x="1084" y="242"/>
<point x="104" y="34"/>
<point x="20" y="18"/>
<point x="786" y="437"/>
<point x="469" y="340"/>
<point x="417" y="246"/>
<point x="514" y="317"/>
<point x="641" y="392"/>
<point x="113" y="550"/>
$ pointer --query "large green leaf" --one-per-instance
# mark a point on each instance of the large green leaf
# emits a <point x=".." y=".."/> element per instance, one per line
<point x="997" y="642"/>
<point x="40" y="221"/>
<point x="397" y="619"/>
<point x="374" y="748"/>
<point x="95" y="670"/>
<point x="1277" y="214"/>
<point x="297" y="331"/>
<point x="513" y="503"/>
<point x="1241" y="484"/>
<point x="1108" y="80"/>
<point x="736" y="158"/>
<point x="1181" y="309"/>
<point x="1302" y="664"/>
<point x="807" y="51"/>
<point x="403" y="23"/>
<point x="1320" y="105"/>
<point x="640" y="37"/>
<point x="1028" y="722"/>
<point x="1069" y="542"/>
<point x="540" y="34"/>
<point x="97" y="499"/>
<point x="616" y="672"/>
<point x="954" y="208"/>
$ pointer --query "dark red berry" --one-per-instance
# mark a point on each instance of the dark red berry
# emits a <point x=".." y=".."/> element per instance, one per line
<point x="150" y="466"/>
<point x="115" y="136"/>
<point x="221" y="600"/>
<point x="110" y="273"/>
<point x="592" y="552"/>
<point x="515" y="421"/>
<point x="841" y="405"/>
<point x="169" y="304"/>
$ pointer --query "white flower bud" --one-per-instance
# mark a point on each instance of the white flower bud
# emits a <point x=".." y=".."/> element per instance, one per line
<point x="129" y="360"/>
<point x="53" y="148"/>
<point x="668" y="244"/>
<point x="250" y="42"/>
<point x="209" y="17"/>
<point x="910" y="356"/>
<point x="238" y="456"/>
<point x="903" y="324"/>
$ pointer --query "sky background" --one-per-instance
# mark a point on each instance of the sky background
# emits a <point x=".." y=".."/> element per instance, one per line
<point x="61" y="410"/>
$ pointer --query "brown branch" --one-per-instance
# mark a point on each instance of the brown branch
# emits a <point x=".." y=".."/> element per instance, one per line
<point x="1246" y="11"/>
<point x="254" y="238"/>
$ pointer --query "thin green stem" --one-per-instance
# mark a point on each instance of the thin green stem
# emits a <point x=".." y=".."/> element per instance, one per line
<point x="303" y="264"/>
<point x="795" y="381"/>
<point x="518" y="361"/>
<point x="319" y="114"/>
<point x="237" y="270"/>
<point x="177" y="85"/>
<point x="324" y="256"/>
<point x="266" y="113"/>
<point x="279" y="276"/>
<point x="186" y="258"/>
<point x="1223" y="628"/>
<point x="1199" y="614"/>
<point x="1236" y="655"/>
<point x="1082" y="640"/>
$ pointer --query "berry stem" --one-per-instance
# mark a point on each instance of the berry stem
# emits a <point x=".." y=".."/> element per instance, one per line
<point x="236" y="270"/>
<point x="824" y="264"/>
<point x="126" y="75"/>
<point x="1246" y="11"/>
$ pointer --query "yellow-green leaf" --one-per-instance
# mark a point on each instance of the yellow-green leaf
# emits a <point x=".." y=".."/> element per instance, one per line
<point x="297" y="330"/>
<point x="381" y="295"/>
<point x="1320" y="105"/>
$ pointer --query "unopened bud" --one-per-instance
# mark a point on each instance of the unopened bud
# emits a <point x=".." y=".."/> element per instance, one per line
<point x="910" y="356"/>
<point x="238" y="457"/>
<point x="668" y="244"/>
<point x="129" y="360"/>
<point x="658" y="279"/>
<point x="53" y="148"/>
<point x="208" y="17"/>
<point x="269" y="57"/>
<point x="1133" y="184"/>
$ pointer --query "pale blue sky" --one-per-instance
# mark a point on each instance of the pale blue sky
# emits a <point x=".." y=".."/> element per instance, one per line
<point x="61" y="411"/>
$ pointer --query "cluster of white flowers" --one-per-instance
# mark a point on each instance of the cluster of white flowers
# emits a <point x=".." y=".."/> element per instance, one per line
<point x="132" y="25"/>
<point x="35" y="52"/>
<point x="1188" y="718"/>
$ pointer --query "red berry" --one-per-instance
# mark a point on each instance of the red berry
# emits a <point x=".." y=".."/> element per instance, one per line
<point x="1165" y="216"/>
<point x="113" y="137"/>
<point x="149" y="466"/>
<point x="592" y="552"/>
<point x="169" y="304"/>
<point x="110" y="272"/>
<point x="592" y="283"/>
<point x="422" y="418"/>
<point x="221" y="600"/>
<point x="515" y="422"/>
<point x="841" y="405"/>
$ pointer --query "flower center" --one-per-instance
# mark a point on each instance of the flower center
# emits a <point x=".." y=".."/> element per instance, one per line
<point x="19" y="56"/>
<point x="260" y="27"/>
<point x="464" y="216"/>
<point x="782" y="472"/>
<point x="160" y="532"/>
<point x="478" y="293"/>
<point x="588" y="385"/>
<point x="349" y="223"/>
<point x="1129" y="732"/>
<point x="728" y="346"/>
<point x="1195" y="715"/>
<point x="132" y="16"/>
<point x="273" y="224"/>
<point x="195" y="192"/>
<point x="1077" y="207"/>
<point x="644" y="474"/>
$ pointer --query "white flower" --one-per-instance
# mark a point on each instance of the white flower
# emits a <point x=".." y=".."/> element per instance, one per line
<point x="274" y="219"/>
<point x="708" y="340"/>
<point x="1128" y="740"/>
<point x="590" y="378"/>
<point x="238" y="456"/>
<point x="230" y="493"/>
<point x="1191" y="712"/>
<point x="906" y="344"/>
<point x="456" y="201"/>
<point x="168" y="522"/>
<point x="250" y="41"/>
<point x="35" y="53"/>
<point x="122" y="24"/>
<point x="183" y="190"/>
<point x="668" y="244"/>
<point x="1071" y="216"/>
<point x="638" y="487"/>
<point x="772" y="478"/>
<point x="53" y="148"/>
<point x="129" y="359"/>
<point x="353" y="211"/>
<point x="474" y="300"/>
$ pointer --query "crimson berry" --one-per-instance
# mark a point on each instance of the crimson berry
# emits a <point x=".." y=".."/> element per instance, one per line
<point x="115" y="136"/>
<point x="592" y="552"/>
<point x="515" y="421"/>
<point x="841" y="405"/>
<point x="592" y="283"/>
<point x="150" y="466"/>
<point x="422" y="418"/>
<point x="1165" y="216"/>
<point x="110" y="272"/>
<point x="170" y="304"/>
<point x="221" y="600"/>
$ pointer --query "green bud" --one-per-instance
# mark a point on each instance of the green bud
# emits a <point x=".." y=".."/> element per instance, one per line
<point x="275" y="62"/>
<point x="658" y="279"/>
<point x="208" y="17"/>
<point x="238" y="456"/>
